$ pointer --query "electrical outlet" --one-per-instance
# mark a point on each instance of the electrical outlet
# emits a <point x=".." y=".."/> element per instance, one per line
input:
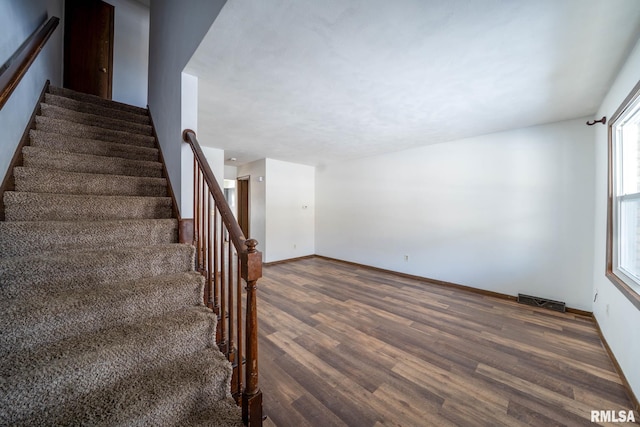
<point x="607" y="309"/>
<point x="295" y="246"/>
<point x="406" y="258"/>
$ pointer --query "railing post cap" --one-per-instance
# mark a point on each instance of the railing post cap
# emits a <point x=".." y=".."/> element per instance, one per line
<point x="251" y="245"/>
<point x="185" y="137"/>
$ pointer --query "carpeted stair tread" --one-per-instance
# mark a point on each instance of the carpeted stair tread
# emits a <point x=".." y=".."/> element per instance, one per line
<point x="22" y="238"/>
<point x="20" y="206"/>
<point x="83" y="309"/>
<point x="66" y="127"/>
<point x="38" y="180"/>
<point x="100" y="110"/>
<point x="182" y="331"/>
<point x="45" y="158"/>
<point x="92" y="99"/>
<point x="159" y="396"/>
<point x="99" y="267"/>
<point x="71" y="144"/>
<point x="56" y="112"/>
<point x="72" y="370"/>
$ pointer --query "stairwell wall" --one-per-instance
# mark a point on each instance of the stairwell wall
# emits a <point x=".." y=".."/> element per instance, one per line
<point x="18" y="20"/>
<point x="176" y="29"/>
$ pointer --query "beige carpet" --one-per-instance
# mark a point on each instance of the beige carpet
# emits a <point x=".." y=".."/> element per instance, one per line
<point x="102" y="318"/>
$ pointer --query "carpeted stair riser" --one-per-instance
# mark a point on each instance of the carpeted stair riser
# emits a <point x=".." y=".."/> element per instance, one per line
<point x="100" y="267"/>
<point x="60" y="373"/>
<point x="66" y="312"/>
<point x="65" y="207"/>
<point x="21" y="238"/>
<point x="225" y="412"/>
<point x="70" y="144"/>
<point x="159" y="396"/>
<point x="61" y="182"/>
<point x="65" y="127"/>
<point x="94" y="120"/>
<point x="89" y="108"/>
<point x="96" y="100"/>
<point x="44" y="158"/>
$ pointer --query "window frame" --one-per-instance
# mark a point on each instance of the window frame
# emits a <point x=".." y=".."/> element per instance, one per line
<point x="612" y="273"/>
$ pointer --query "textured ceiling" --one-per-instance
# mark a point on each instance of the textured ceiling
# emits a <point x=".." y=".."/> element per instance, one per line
<point x="314" y="82"/>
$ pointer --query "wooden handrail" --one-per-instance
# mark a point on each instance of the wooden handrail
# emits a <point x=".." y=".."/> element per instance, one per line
<point x="18" y="65"/>
<point x="235" y="233"/>
<point x="224" y="270"/>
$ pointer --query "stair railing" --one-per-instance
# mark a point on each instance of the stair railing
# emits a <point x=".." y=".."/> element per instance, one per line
<point x="226" y="258"/>
<point x="17" y="66"/>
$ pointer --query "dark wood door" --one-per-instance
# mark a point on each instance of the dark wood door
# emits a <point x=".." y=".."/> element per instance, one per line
<point x="243" y="205"/>
<point x="88" y="47"/>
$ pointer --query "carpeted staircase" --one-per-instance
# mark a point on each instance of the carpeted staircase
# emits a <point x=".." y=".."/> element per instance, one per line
<point x="102" y="321"/>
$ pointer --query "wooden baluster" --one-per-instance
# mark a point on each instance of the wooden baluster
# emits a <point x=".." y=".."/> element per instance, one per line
<point x="210" y="301"/>
<point x="200" y="234"/>
<point x="203" y="227"/>
<point x="230" y="295"/>
<point x="196" y="173"/>
<point x="224" y="348"/>
<point x="232" y="326"/>
<point x="216" y="277"/>
<point x="252" y="396"/>
<point x="204" y="196"/>
<point x="239" y="352"/>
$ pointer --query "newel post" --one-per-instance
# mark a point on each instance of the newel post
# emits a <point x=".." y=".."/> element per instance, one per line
<point x="252" y="395"/>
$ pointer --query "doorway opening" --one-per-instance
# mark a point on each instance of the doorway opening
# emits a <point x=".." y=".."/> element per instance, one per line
<point x="242" y="190"/>
<point x="88" y="47"/>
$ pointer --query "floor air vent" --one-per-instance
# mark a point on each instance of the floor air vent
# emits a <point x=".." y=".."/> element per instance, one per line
<point x="541" y="302"/>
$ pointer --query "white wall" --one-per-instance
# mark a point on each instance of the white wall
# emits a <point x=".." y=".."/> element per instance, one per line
<point x="130" y="52"/>
<point x="257" y="201"/>
<point x="18" y="19"/>
<point x="230" y="172"/>
<point x="621" y="323"/>
<point x="176" y="29"/>
<point x="188" y="120"/>
<point x="509" y="212"/>
<point x="290" y="210"/>
<point x="281" y="208"/>
<point x="215" y="158"/>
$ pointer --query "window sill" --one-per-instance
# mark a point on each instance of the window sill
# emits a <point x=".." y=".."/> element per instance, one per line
<point x="626" y="290"/>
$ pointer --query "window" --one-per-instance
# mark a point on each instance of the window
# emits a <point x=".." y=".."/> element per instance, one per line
<point x="623" y="228"/>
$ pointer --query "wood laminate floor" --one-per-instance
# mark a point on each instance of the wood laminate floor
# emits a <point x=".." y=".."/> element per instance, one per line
<point x="348" y="346"/>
